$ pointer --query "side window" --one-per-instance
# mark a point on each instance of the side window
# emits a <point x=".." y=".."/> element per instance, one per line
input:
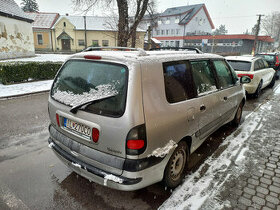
<point x="258" y="65"/>
<point x="224" y="74"/>
<point x="177" y="79"/>
<point x="265" y="64"/>
<point x="203" y="77"/>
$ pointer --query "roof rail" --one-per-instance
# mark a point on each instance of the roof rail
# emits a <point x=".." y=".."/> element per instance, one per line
<point x="141" y="51"/>
<point x="178" y="49"/>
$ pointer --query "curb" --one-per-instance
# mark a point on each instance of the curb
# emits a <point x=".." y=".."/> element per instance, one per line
<point x="21" y="95"/>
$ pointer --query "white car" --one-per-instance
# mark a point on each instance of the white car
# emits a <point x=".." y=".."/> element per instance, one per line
<point x="257" y="69"/>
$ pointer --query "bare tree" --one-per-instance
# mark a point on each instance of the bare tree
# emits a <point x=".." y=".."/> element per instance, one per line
<point x="127" y="27"/>
<point x="271" y="25"/>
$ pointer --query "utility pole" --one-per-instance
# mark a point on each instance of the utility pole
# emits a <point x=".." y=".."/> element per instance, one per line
<point x="256" y="35"/>
<point x="85" y="24"/>
<point x="149" y="37"/>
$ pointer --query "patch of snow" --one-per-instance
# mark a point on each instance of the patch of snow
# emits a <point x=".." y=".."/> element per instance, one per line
<point x="41" y="58"/>
<point x="69" y="98"/>
<point x="51" y="145"/>
<point x="24" y="88"/>
<point x="277" y="90"/>
<point x="76" y="165"/>
<point x="161" y="152"/>
<point x="241" y="156"/>
<point x="112" y="178"/>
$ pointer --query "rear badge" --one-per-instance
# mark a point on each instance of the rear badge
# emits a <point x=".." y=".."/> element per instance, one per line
<point x="114" y="151"/>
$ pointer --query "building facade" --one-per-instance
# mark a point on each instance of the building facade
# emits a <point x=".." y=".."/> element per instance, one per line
<point x="75" y="33"/>
<point x="41" y="27"/>
<point x="174" y="23"/>
<point x="229" y="44"/>
<point x="16" y="37"/>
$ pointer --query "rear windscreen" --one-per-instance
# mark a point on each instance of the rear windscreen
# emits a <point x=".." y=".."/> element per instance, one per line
<point x="269" y="58"/>
<point x="240" y="65"/>
<point x="82" y="81"/>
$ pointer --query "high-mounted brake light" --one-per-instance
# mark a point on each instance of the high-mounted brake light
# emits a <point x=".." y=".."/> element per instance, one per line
<point x="57" y="120"/>
<point x="93" y="57"/>
<point x="95" y="135"/>
<point x="248" y="75"/>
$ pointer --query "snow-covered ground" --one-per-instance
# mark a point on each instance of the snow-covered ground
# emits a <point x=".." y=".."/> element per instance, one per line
<point x="41" y="58"/>
<point x="24" y="88"/>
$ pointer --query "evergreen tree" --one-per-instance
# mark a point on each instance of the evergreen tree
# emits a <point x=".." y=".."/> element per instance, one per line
<point x="29" y="6"/>
<point x="221" y="30"/>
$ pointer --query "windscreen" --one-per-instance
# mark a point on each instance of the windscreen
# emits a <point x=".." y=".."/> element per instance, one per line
<point x="240" y="65"/>
<point x="81" y="81"/>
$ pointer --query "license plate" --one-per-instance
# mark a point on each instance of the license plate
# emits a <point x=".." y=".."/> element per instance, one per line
<point x="77" y="128"/>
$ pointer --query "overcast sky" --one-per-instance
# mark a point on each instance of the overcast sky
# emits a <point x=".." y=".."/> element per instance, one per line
<point x="237" y="15"/>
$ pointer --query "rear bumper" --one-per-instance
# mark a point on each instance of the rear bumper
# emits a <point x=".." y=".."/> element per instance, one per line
<point x="136" y="174"/>
<point x="79" y="166"/>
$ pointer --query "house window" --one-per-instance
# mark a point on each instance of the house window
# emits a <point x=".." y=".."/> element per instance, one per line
<point x="177" y="31"/>
<point x="95" y="43"/>
<point x="162" y="32"/>
<point x="158" y="32"/>
<point x="81" y="42"/>
<point x="167" y="32"/>
<point x="105" y="43"/>
<point x="167" y="43"/>
<point x="172" y="31"/>
<point x="64" y="24"/>
<point x="40" y="39"/>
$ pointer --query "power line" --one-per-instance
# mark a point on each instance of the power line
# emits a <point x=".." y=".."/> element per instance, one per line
<point x="235" y="17"/>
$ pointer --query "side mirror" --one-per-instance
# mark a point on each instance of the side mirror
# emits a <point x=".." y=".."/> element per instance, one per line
<point x="245" y="80"/>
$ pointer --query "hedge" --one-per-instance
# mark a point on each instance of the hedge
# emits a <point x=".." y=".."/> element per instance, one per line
<point x="25" y="71"/>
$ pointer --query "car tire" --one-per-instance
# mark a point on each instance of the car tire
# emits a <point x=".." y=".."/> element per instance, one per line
<point x="238" y="115"/>
<point x="175" y="169"/>
<point x="258" y="91"/>
<point x="272" y="83"/>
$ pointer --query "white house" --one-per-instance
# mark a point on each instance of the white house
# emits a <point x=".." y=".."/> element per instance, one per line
<point x="174" y="24"/>
<point x="16" y="36"/>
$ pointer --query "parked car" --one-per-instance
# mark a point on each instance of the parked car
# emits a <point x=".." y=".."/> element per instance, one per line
<point x="272" y="59"/>
<point x="130" y="119"/>
<point x="257" y="69"/>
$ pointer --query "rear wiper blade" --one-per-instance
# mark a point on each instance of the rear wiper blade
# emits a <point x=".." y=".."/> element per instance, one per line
<point x="74" y="109"/>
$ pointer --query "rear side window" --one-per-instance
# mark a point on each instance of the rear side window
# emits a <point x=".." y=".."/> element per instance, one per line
<point x="177" y="80"/>
<point x="240" y="65"/>
<point x="223" y="74"/>
<point x="258" y="65"/>
<point x="81" y="81"/>
<point x="203" y="77"/>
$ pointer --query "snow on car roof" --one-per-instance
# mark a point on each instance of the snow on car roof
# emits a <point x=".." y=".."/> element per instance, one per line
<point x="241" y="58"/>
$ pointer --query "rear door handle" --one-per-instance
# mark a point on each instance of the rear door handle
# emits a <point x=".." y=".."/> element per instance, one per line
<point x="202" y="107"/>
<point x="225" y="98"/>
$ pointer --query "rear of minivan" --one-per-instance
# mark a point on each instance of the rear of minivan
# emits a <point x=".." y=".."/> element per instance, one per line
<point x="97" y="121"/>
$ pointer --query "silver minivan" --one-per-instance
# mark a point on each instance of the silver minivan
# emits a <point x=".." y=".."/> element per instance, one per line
<point x="128" y="119"/>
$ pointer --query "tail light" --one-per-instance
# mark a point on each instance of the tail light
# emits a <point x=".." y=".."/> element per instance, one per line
<point x="136" y="140"/>
<point x="248" y="75"/>
<point x="95" y="135"/>
<point x="57" y="120"/>
<point x="277" y="61"/>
